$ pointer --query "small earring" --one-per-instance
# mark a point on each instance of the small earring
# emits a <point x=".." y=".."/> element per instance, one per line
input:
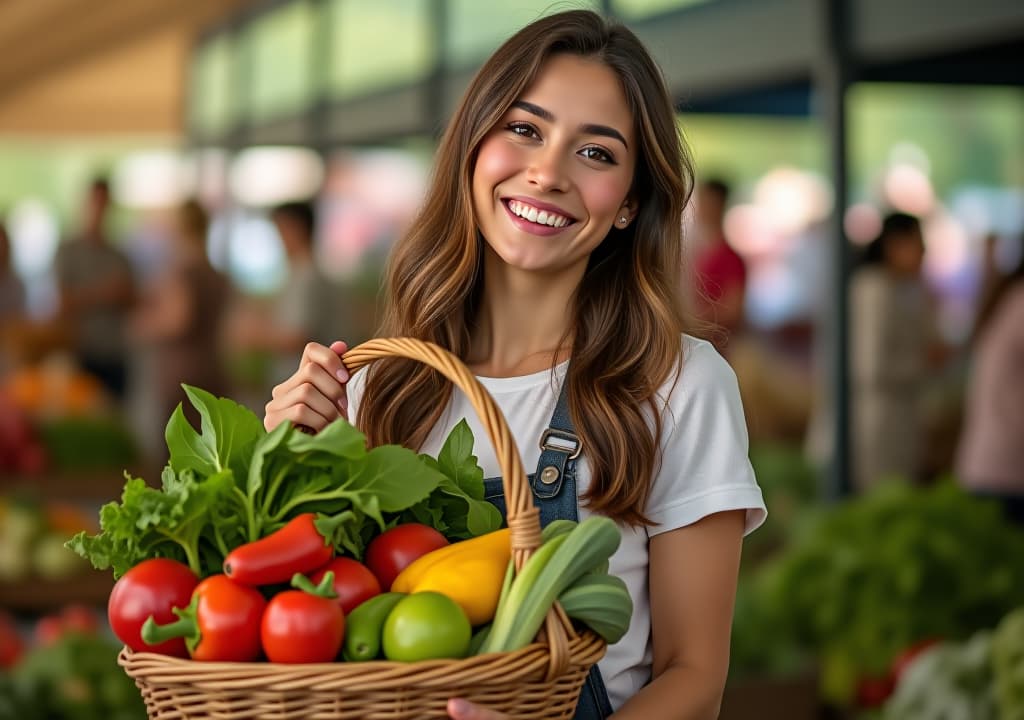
<point x="622" y="220"/>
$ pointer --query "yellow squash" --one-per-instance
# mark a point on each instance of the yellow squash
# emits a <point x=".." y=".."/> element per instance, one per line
<point x="469" y="572"/>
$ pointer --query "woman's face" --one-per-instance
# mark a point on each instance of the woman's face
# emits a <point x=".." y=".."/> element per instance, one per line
<point x="552" y="177"/>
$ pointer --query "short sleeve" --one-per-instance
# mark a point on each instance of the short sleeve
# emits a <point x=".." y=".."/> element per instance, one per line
<point x="705" y="467"/>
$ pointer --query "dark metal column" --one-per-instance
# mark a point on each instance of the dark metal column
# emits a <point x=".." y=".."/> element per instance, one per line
<point x="834" y="70"/>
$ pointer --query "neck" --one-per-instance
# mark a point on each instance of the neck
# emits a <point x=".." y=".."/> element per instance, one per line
<point x="523" y="319"/>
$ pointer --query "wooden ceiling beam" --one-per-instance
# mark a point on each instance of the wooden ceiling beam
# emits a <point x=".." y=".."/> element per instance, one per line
<point x="53" y="40"/>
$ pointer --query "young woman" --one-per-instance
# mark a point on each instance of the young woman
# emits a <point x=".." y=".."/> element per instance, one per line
<point x="547" y="257"/>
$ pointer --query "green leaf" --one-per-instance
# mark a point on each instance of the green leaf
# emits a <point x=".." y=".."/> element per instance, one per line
<point x="393" y="476"/>
<point x="229" y="430"/>
<point x="266" y="445"/>
<point x="457" y="461"/>
<point x="337" y="440"/>
<point x="187" y="449"/>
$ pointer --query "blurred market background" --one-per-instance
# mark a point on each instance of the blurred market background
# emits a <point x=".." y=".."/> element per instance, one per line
<point x="190" y="191"/>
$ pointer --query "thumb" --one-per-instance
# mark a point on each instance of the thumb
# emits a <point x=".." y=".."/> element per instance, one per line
<point x="459" y="709"/>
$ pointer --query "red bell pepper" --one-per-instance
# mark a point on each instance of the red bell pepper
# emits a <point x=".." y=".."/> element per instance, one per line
<point x="222" y="622"/>
<point x="298" y="547"/>
<point x="153" y="588"/>
<point x="304" y="625"/>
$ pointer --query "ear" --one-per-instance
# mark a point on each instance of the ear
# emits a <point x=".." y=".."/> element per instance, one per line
<point x="627" y="213"/>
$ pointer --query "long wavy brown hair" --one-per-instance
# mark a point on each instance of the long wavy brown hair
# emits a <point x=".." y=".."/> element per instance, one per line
<point x="627" y="317"/>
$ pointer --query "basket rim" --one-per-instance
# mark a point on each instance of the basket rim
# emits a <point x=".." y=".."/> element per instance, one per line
<point x="530" y="664"/>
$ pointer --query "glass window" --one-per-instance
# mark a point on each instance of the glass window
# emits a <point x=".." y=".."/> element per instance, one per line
<point x="639" y="9"/>
<point x="476" y="29"/>
<point x="280" y="47"/>
<point x="211" y="110"/>
<point x="378" y="45"/>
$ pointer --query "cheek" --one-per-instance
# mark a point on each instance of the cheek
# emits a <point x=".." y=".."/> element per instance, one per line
<point x="604" y="197"/>
<point x="496" y="161"/>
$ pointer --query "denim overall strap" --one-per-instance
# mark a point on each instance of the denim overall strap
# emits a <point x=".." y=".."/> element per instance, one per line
<point x="556" y="498"/>
<point x="559" y="448"/>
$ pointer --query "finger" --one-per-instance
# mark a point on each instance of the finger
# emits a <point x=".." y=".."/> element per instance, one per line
<point x="459" y="709"/>
<point x="312" y="397"/>
<point x="316" y="376"/>
<point x="301" y="416"/>
<point x="326" y="358"/>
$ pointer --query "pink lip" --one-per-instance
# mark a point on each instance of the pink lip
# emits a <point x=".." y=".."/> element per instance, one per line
<point x="532" y="227"/>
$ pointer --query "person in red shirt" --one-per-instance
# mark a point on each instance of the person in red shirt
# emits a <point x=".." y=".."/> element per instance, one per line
<point x="720" y="274"/>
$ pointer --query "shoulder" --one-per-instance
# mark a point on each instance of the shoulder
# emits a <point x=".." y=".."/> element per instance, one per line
<point x="702" y="375"/>
<point x="704" y="465"/>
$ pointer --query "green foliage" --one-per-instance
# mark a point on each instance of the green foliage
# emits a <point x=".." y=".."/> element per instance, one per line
<point x="233" y="483"/>
<point x="880" y="572"/>
<point x="1008" y="665"/>
<point x="76" y="678"/>
<point x="80" y="443"/>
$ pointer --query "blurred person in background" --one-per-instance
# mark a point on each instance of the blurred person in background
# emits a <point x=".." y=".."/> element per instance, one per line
<point x="12" y="299"/>
<point x="891" y="342"/>
<point x="720" y="273"/>
<point x="990" y="454"/>
<point x="307" y="307"/>
<point x="12" y="290"/>
<point x="181" y="318"/>
<point x="97" y="290"/>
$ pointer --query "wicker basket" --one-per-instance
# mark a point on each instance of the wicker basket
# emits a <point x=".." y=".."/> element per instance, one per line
<point x="542" y="680"/>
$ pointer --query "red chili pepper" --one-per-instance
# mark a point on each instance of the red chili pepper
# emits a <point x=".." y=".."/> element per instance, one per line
<point x="221" y="623"/>
<point x="153" y="588"/>
<point x="298" y="547"/>
<point x="304" y="625"/>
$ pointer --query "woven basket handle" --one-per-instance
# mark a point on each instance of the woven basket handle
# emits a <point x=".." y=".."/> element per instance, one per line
<point x="522" y="516"/>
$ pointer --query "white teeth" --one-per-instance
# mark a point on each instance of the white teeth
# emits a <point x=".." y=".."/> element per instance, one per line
<point x="541" y="217"/>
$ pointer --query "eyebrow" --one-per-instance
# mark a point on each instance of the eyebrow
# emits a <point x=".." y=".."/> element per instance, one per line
<point x="588" y="128"/>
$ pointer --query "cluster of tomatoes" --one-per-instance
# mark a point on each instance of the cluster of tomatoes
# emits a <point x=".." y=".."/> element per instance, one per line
<point x="284" y="597"/>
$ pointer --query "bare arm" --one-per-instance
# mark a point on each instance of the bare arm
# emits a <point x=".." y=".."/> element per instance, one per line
<point x="693" y="573"/>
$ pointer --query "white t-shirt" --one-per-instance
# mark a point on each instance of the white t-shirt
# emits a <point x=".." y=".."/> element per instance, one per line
<point x="705" y="469"/>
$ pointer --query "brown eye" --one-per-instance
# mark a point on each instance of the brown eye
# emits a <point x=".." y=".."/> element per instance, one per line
<point x="598" y="154"/>
<point x="523" y="129"/>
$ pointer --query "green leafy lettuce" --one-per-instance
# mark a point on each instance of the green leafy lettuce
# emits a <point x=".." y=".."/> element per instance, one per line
<point x="232" y="482"/>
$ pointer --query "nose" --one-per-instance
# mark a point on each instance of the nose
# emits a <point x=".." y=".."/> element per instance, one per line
<point x="547" y="171"/>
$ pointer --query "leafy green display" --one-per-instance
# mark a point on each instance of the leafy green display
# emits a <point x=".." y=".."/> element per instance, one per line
<point x="1008" y="665"/>
<point x="232" y="482"/>
<point x="878" y="573"/>
<point x="76" y="678"/>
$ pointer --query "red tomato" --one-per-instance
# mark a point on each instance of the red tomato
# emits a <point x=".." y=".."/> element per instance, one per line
<point x="153" y="587"/>
<point x="299" y="627"/>
<point x="353" y="582"/>
<point x="874" y="690"/>
<point x="905" y="658"/>
<point x="47" y="631"/>
<point x="79" y="618"/>
<point x="393" y="550"/>
<point x="11" y="644"/>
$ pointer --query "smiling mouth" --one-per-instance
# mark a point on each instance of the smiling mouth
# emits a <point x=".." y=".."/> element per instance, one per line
<point x="537" y="216"/>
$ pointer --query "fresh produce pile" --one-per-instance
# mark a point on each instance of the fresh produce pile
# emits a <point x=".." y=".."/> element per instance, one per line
<point x="296" y="549"/>
<point x="65" y="669"/>
<point x="981" y="678"/>
<point x="32" y="537"/>
<point x="870" y="580"/>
